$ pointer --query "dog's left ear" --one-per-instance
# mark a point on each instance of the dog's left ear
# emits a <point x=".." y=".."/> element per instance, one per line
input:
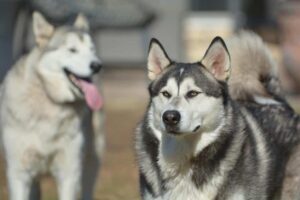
<point x="81" y="22"/>
<point x="42" y="29"/>
<point x="217" y="59"/>
<point x="158" y="59"/>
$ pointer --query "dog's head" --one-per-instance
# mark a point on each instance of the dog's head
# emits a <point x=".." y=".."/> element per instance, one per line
<point x="188" y="98"/>
<point x="67" y="61"/>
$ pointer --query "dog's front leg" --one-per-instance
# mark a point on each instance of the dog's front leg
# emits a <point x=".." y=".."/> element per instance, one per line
<point x="68" y="180"/>
<point x="69" y="187"/>
<point x="19" y="184"/>
<point x="67" y="169"/>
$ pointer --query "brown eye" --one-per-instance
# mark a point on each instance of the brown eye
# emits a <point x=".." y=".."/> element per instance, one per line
<point x="73" y="50"/>
<point x="166" y="94"/>
<point x="192" y="94"/>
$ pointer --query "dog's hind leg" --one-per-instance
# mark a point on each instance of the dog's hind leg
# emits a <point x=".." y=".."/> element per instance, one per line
<point x="94" y="144"/>
<point x="89" y="175"/>
<point x="35" y="191"/>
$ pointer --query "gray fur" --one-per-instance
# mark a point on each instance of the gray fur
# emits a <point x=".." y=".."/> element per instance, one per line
<point x="243" y="155"/>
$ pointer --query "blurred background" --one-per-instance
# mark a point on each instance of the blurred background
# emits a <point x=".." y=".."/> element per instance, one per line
<point x="122" y="30"/>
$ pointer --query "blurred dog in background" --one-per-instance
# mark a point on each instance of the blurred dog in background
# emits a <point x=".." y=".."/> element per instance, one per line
<point x="46" y="119"/>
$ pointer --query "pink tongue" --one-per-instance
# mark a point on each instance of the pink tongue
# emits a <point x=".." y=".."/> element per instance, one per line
<point x="91" y="94"/>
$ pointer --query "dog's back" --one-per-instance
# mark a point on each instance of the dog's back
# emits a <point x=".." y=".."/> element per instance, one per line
<point x="255" y="84"/>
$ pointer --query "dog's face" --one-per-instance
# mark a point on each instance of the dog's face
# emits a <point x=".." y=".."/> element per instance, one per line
<point x="68" y="61"/>
<point x="187" y="98"/>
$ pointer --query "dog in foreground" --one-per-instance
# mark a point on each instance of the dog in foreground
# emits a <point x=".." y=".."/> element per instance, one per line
<point x="46" y="125"/>
<point x="215" y="129"/>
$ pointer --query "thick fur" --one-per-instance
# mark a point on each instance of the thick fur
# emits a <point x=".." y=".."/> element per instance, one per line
<point x="46" y="125"/>
<point x="227" y="144"/>
<point x="254" y="72"/>
<point x="255" y="79"/>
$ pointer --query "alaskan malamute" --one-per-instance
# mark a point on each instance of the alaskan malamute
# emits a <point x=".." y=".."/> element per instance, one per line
<point x="212" y="131"/>
<point x="45" y="122"/>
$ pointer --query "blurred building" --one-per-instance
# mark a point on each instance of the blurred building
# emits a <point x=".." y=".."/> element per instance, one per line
<point x="123" y="29"/>
<point x="185" y="27"/>
<point x="129" y="47"/>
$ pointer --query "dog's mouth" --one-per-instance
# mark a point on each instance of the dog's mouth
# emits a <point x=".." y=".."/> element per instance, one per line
<point x="196" y="129"/>
<point x="85" y="85"/>
<point x="175" y="130"/>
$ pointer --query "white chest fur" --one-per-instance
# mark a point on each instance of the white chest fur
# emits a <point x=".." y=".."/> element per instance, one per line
<point x="174" y="161"/>
<point x="174" y="158"/>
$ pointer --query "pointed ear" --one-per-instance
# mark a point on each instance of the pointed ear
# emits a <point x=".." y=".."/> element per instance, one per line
<point x="42" y="29"/>
<point x="81" y="22"/>
<point x="217" y="60"/>
<point x="157" y="59"/>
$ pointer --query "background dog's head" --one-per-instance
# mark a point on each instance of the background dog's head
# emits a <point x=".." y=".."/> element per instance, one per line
<point x="67" y="61"/>
<point x="188" y="98"/>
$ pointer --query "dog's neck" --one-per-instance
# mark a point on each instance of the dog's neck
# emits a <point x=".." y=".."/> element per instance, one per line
<point x="180" y="150"/>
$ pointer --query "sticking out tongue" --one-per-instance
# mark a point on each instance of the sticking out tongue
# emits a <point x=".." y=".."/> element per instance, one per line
<point x="91" y="94"/>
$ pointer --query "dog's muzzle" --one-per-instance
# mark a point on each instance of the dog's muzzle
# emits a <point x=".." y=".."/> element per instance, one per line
<point x="171" y="119"/>
<point x="95" y="67"/>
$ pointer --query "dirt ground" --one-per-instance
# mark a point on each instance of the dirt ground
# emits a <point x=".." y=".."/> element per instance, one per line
<point x="125" y="93"/>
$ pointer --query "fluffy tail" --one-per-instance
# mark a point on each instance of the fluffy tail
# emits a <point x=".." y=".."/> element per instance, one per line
<point x="254" y="72"/>
<point x="254" y="78"/>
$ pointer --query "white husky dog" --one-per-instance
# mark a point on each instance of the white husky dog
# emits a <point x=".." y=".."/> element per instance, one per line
<point x="45" y="122"/>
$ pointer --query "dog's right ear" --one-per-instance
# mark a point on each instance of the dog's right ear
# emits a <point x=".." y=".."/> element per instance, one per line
<point x="81" y="22"/>
<point x="158" y="59"/>
<point x="217" y="59"/>
<point x="42" y="29"/>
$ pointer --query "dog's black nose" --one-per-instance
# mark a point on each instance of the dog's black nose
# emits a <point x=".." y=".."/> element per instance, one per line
<point x="171" y="117"/>
<point x="95" y="66"/>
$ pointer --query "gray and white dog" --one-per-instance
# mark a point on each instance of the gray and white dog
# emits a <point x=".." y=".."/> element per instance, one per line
<point x="212" y="131"/>
<point x="45" y="121"/>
